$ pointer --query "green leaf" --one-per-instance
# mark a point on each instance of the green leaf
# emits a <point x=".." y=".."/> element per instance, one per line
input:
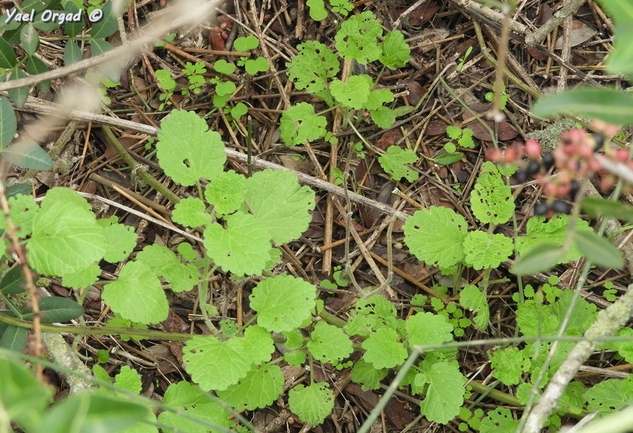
<point x="226" y="192"/>
<point x="383" y="350"/>
<point x="188" y="398"/>
<point x="246" y="43"/>
<point x="187" y="151"/>
<point x="66" y="238"/>
<point x="383" y="117"/>
<point x="129" y="380"/>
<point x="509" y="364"/>
<point x="22" y="210"/>
<point x="394" y="163"/>
<point x="299" y="123"/>
<point x="329" y="344"/>
<point x="283" y="302"/>
<point x="54" y="309"/>
<point x="13" y="281"/>
<point x="8" y="58"/>
<point x="137" y="294"/>
<point x="473" y="299"/>
<point x="435" y="236"/>
<point x="107" y="25"/>
<point x="72" y="53"/>
<point x="377" y="98"/>
<point x="313" y="67"/>
<point x="499" y="420"/>
<point x="8" y="122"/>
<point x="214" y="364"/>
<point x="239" y="110"/>
<point x="225" y="88"/>
<point x="619" y="59"/>
<point x="343" y="7"/>
<point x="317" y="10"/>
<point x="609" y="395"/>
<point x="486" y="251"/>
<point x="428" y="329"/>
<point x="395" y="53"/>
<point x="598" y="250"/>
<point x="223" y="67"/>
<point x="445" y="393"/>
<point x="353" y="94"/>
<point x="72" y="28"/>
<point x="242" y="248"/>
<point x="190" y="212"/>
<point x="595" y="207"/>
<point x="100" y="46"/>
<point x="165" y="264"/>
<point x="13" y="339"/>
<point x="367" y="376"/>
<point x="491" y="199"/>
<point x="280" y="203"/>
<point x="27" y="154"/>
<point x="609" y="105"/>
<point x="448" y="158"/>
<point x="35" y="66"/>
<point x="312" y="403"/>
<point x="358" y="38"/>
<point x="538" y="259"/>
<point x="260" y="388"/>
<point x="21" y="94"/>
<point x="121" y="240"/>
<point x="260" y="64"/>
<point x="29" y="39"/>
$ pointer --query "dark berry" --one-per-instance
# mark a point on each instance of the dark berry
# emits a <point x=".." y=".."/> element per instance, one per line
<point x="521" y="176"/>
<point x="541" y="208"/>
<point x="597" y="141"/>
<point x="575" y="187"/>
<point x="560" y="206"/>
<point x="548" y="160"/>
<point x="533" y="168"/>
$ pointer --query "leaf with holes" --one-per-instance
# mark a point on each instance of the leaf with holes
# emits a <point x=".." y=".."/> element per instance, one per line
<point x="299" y="123"/>
<point x="491" y="199"/>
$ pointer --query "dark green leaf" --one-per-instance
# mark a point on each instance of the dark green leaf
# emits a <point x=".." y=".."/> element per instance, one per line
<point x="107" y="25"/>
<point x="21" y="94"/>
<point x="610" y="105"/>
<point x="12" y="37"/>
<point x="8" y="122"/>
<point x="539" y="259"/>
<point x="72" y="53"/>
<point x="28" y="154"/>
<point x="19" y="188"/>
<point x="14" y="339"/>
<point x="448" y="158"/>
<point x="35" y="66"/>
<point x="72" y="28"/>
<point x="29" y="39"/>
<point x="11" y="25"/>
<point x="595" y="207"/>
<point x="47" y="26"/>
<point x="55" y="309"/>
<point x="598" y="250"/>
<point x="7" y="56"/>
<point x="92" y="413"/>
<point x="13" y="281"/>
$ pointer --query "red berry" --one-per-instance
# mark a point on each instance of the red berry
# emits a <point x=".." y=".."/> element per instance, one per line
<point x="510" y="155"/>
<point x="493" y="155"/>
<point x="621" y="155"/>
<point x="532" y="149"/>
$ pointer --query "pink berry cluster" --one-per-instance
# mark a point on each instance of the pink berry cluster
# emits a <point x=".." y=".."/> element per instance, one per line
<point x="573" y="158"/>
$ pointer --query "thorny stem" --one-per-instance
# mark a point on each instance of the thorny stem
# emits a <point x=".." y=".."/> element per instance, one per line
<point x="37" y="332"/>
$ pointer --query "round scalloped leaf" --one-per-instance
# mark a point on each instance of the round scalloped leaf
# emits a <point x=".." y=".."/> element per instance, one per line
<point x="214" y="364"/>
<point x="486" y="251"/>
<point x="66" y="238"/>
<point x="367" y="376"/>
<point x="283" y="302"/>
<point x="22" y="209"/>
<point x="129" y="380"/>
<point x="165" y="264"/>
<point x="445" y="393"/>
<point x="184" y="397"/>
<point x="137" y="294"/>
<point x="383" y="350"/>
<point x="259" y="344"/>
<point x="435" y="236"/>
<point x="226" y="192"/>
<point x="242" y="248"/>
<point x="190" y="213"/>
<point x="312" y="403"/>
<point x="395" y="51"/>
<point x="187" y="150"/>
<point x="121" y="242"/>
<point x="260" y="388"/>
<point x="428" y="329"/>
<point x="299" y="123"/>
<point x="353" y="94"/>
<point x="329" y="344"/>
<point x="313" y="66"/>
<point x="280" y="203"/>
<point x="491" y="199"/>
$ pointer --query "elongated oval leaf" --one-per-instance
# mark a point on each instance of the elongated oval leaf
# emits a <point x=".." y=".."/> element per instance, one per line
<point x="72" y="53"/>
<point x="8" y="122"/>
<point x="539" y="259"/>
<point x="28" y="154"/>
<point x="7" y="55"/>
<point x="13" y="281"/>
<point x="35" y="66"/>
<point x="595" y="207"/>
<point x="107" y="25"/>
<point x="19" y="95"/>
<point x="54" y="309"/>
<point x="599" y="250"/>
<point x="29" y="39"/>
<point x="610" y="105"/>
<point x="13" y="339"/>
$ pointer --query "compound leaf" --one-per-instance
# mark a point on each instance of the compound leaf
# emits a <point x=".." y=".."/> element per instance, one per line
<point x="311" y="403"/>
<point x="435" y="236"/>
<point x="283" y="302"/>
<point x="395" y="161"/>
<point x="187" y="150"/>
<point x="137" y="294"/>
<point x="280" y="203"/>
